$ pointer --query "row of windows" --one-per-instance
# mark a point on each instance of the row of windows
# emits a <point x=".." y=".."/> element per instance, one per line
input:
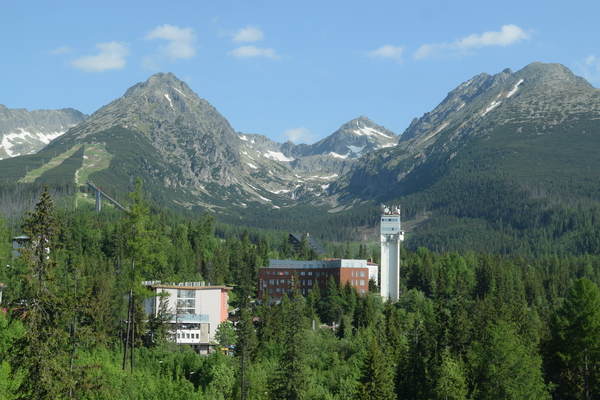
<point x="187" y="336"/>
<point x="317" y="273"/>
<point x="309" y="282"/>
<point x="303" y="282"/>
<point x="280" y="290"/>
<point x="302" y="273"/>
<point x="275" y="291"/>
<point x="280" y="282"/>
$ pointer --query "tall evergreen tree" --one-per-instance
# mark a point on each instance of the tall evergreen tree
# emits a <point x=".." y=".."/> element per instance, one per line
<point x="333" y="306"/>
<point x="451" y="380"/>
<point x="506" y="367"/>
<point x="42" y="353"/>
<point x="144" y="250"/>
<point x="377" y="375"/>
<point x="291" y="378"/>
<point x="576" y="337"/>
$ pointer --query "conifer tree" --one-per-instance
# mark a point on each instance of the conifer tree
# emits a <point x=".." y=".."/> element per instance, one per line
<point x="313" y="301"/>
<point x="450" y="383"/>
<point x="144" y="250"/>
<point x="576" y="337"/>
<point x="291" y="378"/>
<point x="303" y="251"/>
<point x="246" y="335"/>
<point x="377" y="375"/>
<point x="42" y="351"/>
<point x="504" y="366"/>
<point x="393" y="329"/>
<point x="286" y="248"/>
<point x="333" y="304"/>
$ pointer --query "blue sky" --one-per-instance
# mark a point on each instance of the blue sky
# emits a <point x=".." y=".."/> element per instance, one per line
<point x="287" y="70"/>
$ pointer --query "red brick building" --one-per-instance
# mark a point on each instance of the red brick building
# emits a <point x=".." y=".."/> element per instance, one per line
<point x="276" y="279"/>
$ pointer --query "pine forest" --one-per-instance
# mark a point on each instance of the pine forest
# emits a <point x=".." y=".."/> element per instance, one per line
<point x="468" y="325"/>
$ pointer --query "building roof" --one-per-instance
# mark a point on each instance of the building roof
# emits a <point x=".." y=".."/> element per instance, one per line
<point x="192" y="287"/>
<point x="184" y="285"/>
<point x="312" y="243"/>
<point x="312" y="264"/>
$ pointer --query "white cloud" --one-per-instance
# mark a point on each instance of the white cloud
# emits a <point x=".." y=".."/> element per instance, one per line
<point x="589" y="68"/>
<point x="181" y="41"/>
<point x="253" y="51"/>
<point x="300" y="135"/>
<point x="388" y="51"/>
<point x="249" y="34"/>
<point x="508" y="34"/>
<point x="112" y="56"/>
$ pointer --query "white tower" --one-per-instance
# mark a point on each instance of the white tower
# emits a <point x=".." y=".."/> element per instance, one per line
<point x="391" y="236"/>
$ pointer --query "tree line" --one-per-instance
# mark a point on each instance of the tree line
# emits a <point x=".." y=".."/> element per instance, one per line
<point x="469" y="325"/>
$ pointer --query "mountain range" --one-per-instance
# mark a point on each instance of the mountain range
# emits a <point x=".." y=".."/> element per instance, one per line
<point x="495" y="146"/>
<point x="25" y="132"/>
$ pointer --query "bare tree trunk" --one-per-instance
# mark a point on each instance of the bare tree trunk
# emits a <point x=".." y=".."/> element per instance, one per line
<point x="127" y="330"/>
<point x="132" y="319"/>
<point x="586" y="374"/>
<point x="73" y="336"/>
<point x="132" y="332"/>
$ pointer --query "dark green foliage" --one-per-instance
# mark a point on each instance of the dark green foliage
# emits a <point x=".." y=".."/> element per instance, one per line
<point x="505" y="367"/>
<point x="459" y="314"/>
<point x="575" y="333"/>
<point x="377" y="376"/>
<point x="291" y="378"/>
<point x="42" y="351"/>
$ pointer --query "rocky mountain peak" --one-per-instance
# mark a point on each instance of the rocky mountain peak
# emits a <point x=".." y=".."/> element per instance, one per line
<point x="160" y="84"/>
<point x="509" y="109"/>
<point x="556" y="75"/>
<point x="354" y="139"/>
<point x="485" y="95"/>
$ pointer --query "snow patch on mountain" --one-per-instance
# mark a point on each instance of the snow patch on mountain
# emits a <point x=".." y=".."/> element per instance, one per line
<point x="170" y="102"/>
<point x="336" y="155"/>
<point x="366" y="131"/>
<point x="493" y="105"/>
<point x="514" y="89"/>
<point x="356" y="149"/>
<point x="180" y="92"/>
<point x="445" y="124"/>
<point x="277" y="156"/>
<point x="11" y="140"/>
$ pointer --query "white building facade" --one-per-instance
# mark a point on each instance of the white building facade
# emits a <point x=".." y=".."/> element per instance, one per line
<point x="391" y="237"/>
<point x="196" y="311"/>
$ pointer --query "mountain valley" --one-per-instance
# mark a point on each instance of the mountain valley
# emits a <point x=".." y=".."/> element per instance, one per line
<point x="464" y="173"/>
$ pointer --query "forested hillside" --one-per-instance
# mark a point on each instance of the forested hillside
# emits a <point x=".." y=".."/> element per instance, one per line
<point x="468" y="325"/>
